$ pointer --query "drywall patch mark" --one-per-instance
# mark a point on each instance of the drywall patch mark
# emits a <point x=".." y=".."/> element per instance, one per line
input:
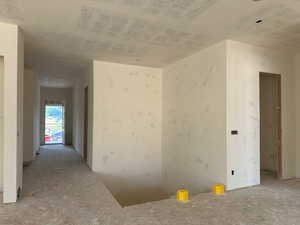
<point x="182" y="5"/>
<point x="102" y="21"/>
<point x="11" y="9"/>
<point x="135" y="3"/>
<point x="117" y="26"/>
<point x="105" y="158"/>
<point x="254" y="118"/>
<point x="102" y="48"/>
<point x="198" y="160"/>
<point x="155" y="7"/>
<point x="105" y="1"/>
<point x="200" y="7"/>
<point x="206" y="79"/>
<point x="141" y="30"/>
<point x="98" y="21"/>
<point x="174" y="8"/>
<point x="173" y="37"/>
<point x="85" y="17"/>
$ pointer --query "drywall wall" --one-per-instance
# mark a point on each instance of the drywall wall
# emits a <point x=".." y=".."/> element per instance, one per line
<point x="61" y="95"/>
<point x="20" y="85"/>
<point x="243" y="150"/>
<point x="28" y="114"/>
<point x="78" y="121"/>
<point x="88" y="82"/>
<point x="269" y="123"/>
<point x="194" y="121"/>
<point x="297" y="106"/>
<point x="11" y="47"/>
<point x="36" y="121"/>
<point x="1" y="120"/>
<point x="127" y="130"/>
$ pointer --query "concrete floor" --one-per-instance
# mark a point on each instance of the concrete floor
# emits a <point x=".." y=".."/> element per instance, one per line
<point x="60" y="190"/>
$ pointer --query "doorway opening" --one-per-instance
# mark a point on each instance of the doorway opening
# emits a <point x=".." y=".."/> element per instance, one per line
<point x="270" y="126"/>
<point x="54" y="124"/>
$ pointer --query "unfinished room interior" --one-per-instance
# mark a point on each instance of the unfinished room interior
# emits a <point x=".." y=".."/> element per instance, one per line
<point x="150" y="112"/>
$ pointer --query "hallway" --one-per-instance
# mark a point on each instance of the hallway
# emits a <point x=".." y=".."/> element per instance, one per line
<point x="58" y="188"/>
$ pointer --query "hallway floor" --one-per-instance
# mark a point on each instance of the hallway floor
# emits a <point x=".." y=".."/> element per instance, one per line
<point x="60" y="190"/>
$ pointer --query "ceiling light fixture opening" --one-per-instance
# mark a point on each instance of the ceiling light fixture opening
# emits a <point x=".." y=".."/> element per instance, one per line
<point x="259" y="21"/>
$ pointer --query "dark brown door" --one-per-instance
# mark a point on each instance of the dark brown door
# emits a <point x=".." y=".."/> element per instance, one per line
<point x="86" y="117"/>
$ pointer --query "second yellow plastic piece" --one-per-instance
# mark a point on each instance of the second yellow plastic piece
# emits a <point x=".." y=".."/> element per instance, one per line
<point x="182" y="195"/>
<point x="219" y="189"/>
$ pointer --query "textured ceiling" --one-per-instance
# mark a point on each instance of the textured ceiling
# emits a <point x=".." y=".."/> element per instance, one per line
<point x="62" y="36"/>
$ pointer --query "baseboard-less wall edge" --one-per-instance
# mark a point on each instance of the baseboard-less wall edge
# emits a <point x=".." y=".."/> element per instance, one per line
<point x="289" y="178"/>
<point x="78" y="151"/>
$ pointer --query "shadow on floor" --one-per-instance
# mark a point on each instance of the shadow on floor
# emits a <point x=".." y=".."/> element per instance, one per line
<point x="128" y="191"/>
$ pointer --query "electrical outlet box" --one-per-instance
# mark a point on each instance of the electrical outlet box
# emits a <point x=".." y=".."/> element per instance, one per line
<point x="234" y="132"/>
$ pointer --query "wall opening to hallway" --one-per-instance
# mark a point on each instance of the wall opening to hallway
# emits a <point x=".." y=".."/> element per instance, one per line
<point x="270" y="126"/>
<point x="57" y="97"/>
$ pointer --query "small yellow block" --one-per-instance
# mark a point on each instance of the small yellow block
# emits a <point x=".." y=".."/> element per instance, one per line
<point x="182" y="195"/>
<point x="219" y="189"/>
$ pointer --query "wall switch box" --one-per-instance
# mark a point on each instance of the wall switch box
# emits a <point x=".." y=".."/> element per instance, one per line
<point x="234" y="132"/>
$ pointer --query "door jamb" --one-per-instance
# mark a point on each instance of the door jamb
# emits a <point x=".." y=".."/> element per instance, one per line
<point x="279" y="156"/>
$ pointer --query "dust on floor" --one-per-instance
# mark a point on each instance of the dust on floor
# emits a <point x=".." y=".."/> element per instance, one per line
<point x="60" y="190"/>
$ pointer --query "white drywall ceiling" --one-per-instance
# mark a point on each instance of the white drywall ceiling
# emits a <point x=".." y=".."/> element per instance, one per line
<point x="61" y="36"/>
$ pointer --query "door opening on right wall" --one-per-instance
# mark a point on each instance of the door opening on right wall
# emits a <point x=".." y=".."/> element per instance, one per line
<point x="270" y="126"/>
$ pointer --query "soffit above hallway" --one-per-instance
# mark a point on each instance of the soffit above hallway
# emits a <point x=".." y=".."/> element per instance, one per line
<point x="144" y="32"/>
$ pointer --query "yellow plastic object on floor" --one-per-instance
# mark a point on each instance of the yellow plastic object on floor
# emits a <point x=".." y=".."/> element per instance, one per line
<point x="182" y="195"/>
<point x="219" y="189"/>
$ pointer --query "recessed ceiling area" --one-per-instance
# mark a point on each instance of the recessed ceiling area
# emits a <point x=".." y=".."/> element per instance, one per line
<point x="61" y="37"/>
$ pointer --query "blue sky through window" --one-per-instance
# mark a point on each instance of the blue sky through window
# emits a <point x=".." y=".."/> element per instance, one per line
<point x="54" y="124"/>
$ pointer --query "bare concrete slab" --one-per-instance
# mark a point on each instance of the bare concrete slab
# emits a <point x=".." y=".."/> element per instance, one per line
<point x="60" y="190"/>
<point x="274" y="203"/>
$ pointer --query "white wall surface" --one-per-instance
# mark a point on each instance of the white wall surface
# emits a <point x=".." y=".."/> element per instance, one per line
<point x="63" y="95"/>
<point x="78" y="110"/>
<point x="20" y="85"/>
<point x="28" y="114"/>
<point x="1" y="120"/>
<point x="243" y="150"/>
<point x="11" y="47"/>
<point x="88" y="81"/>
<point x="194" y="121"/>
<point x="36" y="121"/>
<point x="297" y="105"/>
<point x="127" y="128"/>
